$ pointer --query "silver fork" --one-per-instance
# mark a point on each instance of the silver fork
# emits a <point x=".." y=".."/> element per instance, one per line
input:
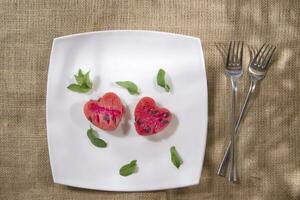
<point x="257" y="71"/>
<point x="233" y="70"/>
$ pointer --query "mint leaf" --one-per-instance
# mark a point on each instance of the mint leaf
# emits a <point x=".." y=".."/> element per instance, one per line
<point x="87" y="80"/>
<point x="84" y="83"/>
<point x="175" y="158"/>
<point x="80" y="73"/>
<point x="128" y="169"/>
<point x="94" y="140"/>
<point x="130" y="86"/>
<point x="79" y="77"/>
<point x="160" y="78"/>
<point x="78" y="88"/>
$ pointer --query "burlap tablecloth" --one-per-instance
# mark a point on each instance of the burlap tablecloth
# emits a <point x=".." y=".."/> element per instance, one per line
<point x="269" y="166"/>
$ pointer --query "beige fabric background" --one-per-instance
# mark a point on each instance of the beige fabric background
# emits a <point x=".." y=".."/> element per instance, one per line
<point x="269" y="154"/>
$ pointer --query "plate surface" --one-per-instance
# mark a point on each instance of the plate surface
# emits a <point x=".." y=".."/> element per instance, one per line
<point x="136" y="56"/>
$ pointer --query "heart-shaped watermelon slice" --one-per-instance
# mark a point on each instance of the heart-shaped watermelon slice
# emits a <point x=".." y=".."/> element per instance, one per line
<point x="106" y="112"/>
<point x="149" y="118"/>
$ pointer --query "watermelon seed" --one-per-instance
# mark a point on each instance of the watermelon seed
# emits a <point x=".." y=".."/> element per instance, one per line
<point x="165" y="115"/>
<point x="153" y="112"/>
<point x="105" y="117"/>
<point x="147" y="129"/>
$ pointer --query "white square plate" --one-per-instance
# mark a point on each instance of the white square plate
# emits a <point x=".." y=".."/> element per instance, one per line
<point x="136" y="56"/>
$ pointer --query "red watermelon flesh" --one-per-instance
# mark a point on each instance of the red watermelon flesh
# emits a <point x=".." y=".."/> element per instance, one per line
<point x="106" y="112"/>
<point x="149" y="118"/>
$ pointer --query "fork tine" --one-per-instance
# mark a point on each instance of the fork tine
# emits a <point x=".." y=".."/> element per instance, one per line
<point x="241" y="53"/>
<point x="263" y="54"/>
<point x="266" y="61"/>
<point x="257" y="54"/>
<point x="233" y="51"/>
<point x="252" y="52"/>
<point x="236" y="53"/>
<point x="229" y="52"/>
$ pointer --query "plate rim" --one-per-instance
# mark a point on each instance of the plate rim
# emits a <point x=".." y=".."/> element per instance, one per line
<point x="122" y="30"/>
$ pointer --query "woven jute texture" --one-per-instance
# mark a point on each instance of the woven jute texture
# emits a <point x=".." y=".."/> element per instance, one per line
<point x="269" y="142"/>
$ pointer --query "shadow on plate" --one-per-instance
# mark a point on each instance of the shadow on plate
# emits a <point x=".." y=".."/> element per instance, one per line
<point x="96" y="83"/>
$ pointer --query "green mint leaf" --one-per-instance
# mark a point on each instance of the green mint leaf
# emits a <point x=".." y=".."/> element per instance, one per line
<point x="94" y="140"/>
<point x="130" y="86"/>
<point x="161" y="81"/>
<point x="128" y="169"/>
<point x="80" y="79"/>
<point x="84" y="83"/>
<point x="79" y="88"/>
<point x="175" y="158"/>
<point x="167" y="88"/>
<point x="87" y="80"/>
<point x="80" y="73"/>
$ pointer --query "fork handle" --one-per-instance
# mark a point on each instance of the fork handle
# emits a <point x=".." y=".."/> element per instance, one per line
<point x="232" y="175"/>
<point x="224" y="162"/>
